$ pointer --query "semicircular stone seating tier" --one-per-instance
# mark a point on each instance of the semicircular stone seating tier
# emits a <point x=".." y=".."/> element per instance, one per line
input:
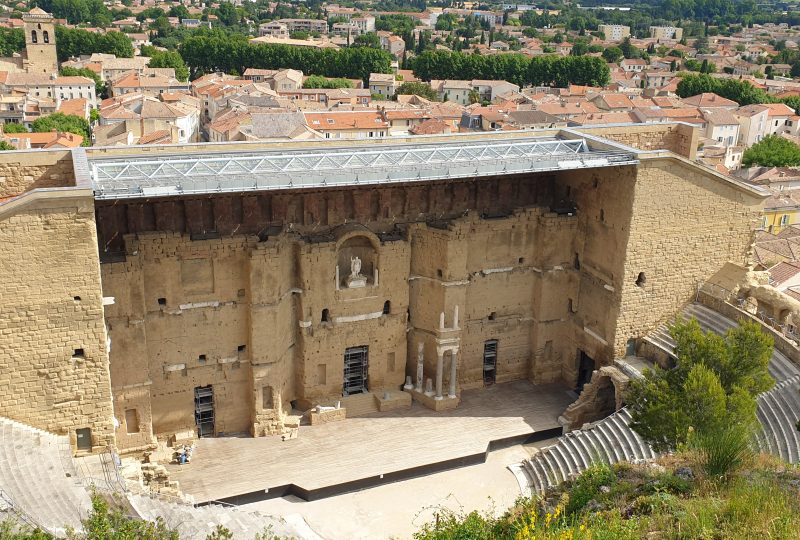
<point x="611" y="440"/>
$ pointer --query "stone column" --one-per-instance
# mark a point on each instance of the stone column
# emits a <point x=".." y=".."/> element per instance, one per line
<point x="439" y="370"/>
<point x="420" y="366"/>
<point x="453" y="363"/>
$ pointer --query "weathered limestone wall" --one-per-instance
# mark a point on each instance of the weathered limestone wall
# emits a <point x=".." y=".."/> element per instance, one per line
<point x="24" y="171"/>
<point x="53" y="359"/>
<point x="356" y="316"/>
<point x="681" y="139"/>
<point x="685" y="225"/>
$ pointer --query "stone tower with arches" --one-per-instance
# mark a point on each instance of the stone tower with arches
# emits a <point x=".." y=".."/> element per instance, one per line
<point x="40" y="42"/>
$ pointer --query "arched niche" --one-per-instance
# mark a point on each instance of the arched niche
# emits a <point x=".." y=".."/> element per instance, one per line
<point x="356" y="260"/>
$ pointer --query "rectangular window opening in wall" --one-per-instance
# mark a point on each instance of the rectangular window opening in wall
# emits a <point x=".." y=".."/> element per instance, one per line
<point x="83" y="438"/>
<point x="355" y="370"/>
<point x="322" y="374"/>
<point x="241" y="348"/>
<point x="202" y="359"/>
<point x="78" y="353"/>
<point x="162" y="301"/>
<point x="492" y="315"/>
<point x="266" y="397"/>
<point x="132" y="420"/>
<point x="489" y="362"/>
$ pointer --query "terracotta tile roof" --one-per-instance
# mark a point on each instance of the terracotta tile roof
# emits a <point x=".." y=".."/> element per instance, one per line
<point x="345" y="120"/>
<point x="49" y="139"/>
<point x="162" y="136"/>
<point x="77" y="107"/>
<point x="709" y="99"/>
<point x="783" y="271"/>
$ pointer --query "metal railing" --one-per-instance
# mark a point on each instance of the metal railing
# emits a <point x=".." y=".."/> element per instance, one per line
<point x="729" y="297"/>
<point x="152" y="176"/>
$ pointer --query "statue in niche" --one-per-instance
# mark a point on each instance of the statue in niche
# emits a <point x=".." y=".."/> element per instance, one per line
<point x="355" y="266"/>
<point x="355" y="280"/>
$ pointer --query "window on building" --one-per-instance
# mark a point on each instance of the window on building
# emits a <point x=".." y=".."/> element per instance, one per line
<point x="785" y="219"/>
<point x="34" y="37"/>
<point x="46" y="36"/>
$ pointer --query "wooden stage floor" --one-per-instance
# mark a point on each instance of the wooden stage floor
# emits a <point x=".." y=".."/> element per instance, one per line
<point x="323" y="458"/>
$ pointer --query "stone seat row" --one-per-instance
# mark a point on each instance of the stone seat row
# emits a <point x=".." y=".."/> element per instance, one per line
<point x="610" y="440"/>
<point x="778" y="413"/>
<point x="196" y="523"/>
<point x="37" y="474"/>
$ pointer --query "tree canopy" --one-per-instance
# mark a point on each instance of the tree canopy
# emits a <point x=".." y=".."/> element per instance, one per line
<point x="521" y="70"/>
<point x="14" y="128"/>
<point x="317" y="81"/>
<point x="713" y="384"/>
<point x="63" y="122"/>
<point x="418" y="89"/>
<point x="75" y="42"/>
<point x="772" y="151"/>
<point x="167" y="59"/>
<point x="232" y="54"/>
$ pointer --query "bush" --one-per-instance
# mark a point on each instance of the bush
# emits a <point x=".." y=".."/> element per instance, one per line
<point x="587" y="486"/>
<point x="723" y="450"/>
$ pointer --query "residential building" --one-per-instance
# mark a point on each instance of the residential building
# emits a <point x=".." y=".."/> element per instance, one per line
<point x="666" y="33"/>
<point x="615" y="32"/>
<point x="753" y="122"/>
<point x="141" y="115"/>
<point x="722" y="126"/>
<point x="274" y="29"/>
<point x="53" y="86"/>
<point x="149" y="82"/>
<point x="384" y="84"/>
<point x="306" y="25"/>
<point x="348" y="124"/>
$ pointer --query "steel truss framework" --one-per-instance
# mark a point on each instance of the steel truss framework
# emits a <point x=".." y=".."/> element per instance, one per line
<point x="292" y="169"/>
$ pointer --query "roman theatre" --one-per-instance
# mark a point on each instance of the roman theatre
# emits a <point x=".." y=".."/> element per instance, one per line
<point x="420" y="299"/>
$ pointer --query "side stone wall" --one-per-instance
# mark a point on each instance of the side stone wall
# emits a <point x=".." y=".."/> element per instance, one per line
<point x="53" y="360"/>
<point x="24" y="171"/>
<point x="685" y="226"/>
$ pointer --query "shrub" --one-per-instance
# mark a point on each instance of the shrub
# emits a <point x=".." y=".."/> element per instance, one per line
<point x="723" y="450"/>
<point x="587" y="486"/>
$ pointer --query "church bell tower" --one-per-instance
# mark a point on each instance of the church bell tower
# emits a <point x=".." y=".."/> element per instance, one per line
<point x="40" y="42"/>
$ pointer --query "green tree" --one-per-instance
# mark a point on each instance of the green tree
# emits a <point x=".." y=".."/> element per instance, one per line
<point x="104" y="524"/>
<point x="179" y="11"/>
<point x="612" y="55"/>
<point x="579" y="49"/>
<point x="75" y="42"/>
<point x="417" y="89"/>
<point x="169" y="59"/>
<point x="227" y="14"/>
<point x="713" y="384"/>
<point x="63" y="122"/>
<point x="317" y="81"/>
<point x="772" y="151"/>
<point x="6" y="146"/>
<point x="370" y="39"/>
<point x="14" y="128"/>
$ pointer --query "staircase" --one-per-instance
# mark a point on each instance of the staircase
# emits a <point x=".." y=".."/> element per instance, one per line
<point x="360" y="404"/>
<point x="38" y="477"/>
<point x="610" y="440"/>
<point x="196" y="523"/>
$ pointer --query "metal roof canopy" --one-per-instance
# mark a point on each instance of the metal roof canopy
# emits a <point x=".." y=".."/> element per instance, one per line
<point x="382" y="163"/>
